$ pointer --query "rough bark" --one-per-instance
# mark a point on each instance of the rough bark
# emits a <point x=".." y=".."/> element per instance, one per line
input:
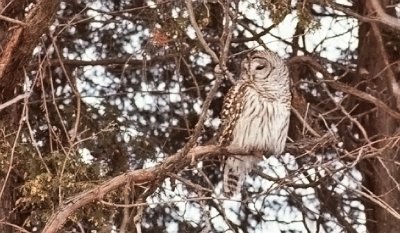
<point x="20" y="35"/>
<point x="381" y="174"/>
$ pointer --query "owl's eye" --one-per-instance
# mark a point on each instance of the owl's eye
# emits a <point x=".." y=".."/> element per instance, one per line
<point x="260" y="67"/>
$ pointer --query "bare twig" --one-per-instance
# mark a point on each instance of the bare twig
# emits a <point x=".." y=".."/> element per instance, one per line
<point x="14" y="100"/>
<point x="11" y="20"/>
<point x="345" y="88"/>
<point x="227" y="34"/>
<point x="12" y="153"/>
<point x="164" y="202"/>
<point x="189" y="183"/>
<point x="15" y="226"/>
<point x="373" y="198"/>
<point x="347" y="114"/>
<point x="199" y="34"/>
<point x="304" y="122"/>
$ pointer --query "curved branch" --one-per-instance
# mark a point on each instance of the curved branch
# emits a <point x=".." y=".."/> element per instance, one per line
<point x="383" y="16"/>
<point x="157" y="174"/>
<point x="172" y="164"/>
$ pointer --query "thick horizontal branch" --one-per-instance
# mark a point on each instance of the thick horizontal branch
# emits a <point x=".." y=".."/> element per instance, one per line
<point x="157" y="174"/>
<point x="112" y="61"/>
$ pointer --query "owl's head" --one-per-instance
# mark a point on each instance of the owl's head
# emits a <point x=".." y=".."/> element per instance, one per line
<point x="263" y="66"/>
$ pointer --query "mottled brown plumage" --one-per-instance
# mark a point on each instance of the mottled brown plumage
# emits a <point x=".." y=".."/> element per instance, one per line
<point x="255" y="115"/>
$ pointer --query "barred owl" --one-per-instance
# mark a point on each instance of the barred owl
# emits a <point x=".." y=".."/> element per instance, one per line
<point x="255" y="116"/>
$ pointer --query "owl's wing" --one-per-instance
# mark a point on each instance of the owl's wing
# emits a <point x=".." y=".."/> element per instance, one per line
<point x="236" y="167"/>
<point x="231" y="110"/>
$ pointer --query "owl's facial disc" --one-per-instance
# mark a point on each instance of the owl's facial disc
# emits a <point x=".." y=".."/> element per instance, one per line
<point x="260" y="68"/>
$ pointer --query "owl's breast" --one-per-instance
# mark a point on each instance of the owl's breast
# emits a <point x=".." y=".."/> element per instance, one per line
<point x="262" y="125"/>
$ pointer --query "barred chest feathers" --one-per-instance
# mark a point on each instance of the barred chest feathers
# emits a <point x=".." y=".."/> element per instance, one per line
<point x="262" y="124"/>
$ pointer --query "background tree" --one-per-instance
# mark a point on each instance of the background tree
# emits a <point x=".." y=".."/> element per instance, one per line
<point x="108" y="111"/>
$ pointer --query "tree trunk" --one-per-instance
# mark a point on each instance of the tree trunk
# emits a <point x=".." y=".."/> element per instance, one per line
<point x="381" y="175"/>
<point x="18" y="37"/>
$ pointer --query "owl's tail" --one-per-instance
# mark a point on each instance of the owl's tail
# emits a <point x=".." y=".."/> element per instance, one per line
<point x="235" y="172"/>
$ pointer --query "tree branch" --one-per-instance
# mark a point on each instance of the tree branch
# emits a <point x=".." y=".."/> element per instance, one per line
<point x="18" y="49"/>
<point x="383" y="16"/>
<point x="112" y="61"/>
<point x="345" y="88"/>
<point x="13" y="101"/>
<point x="173" y="164"/>
<point x="11" y="20"/>
<point x="199" y="34"/>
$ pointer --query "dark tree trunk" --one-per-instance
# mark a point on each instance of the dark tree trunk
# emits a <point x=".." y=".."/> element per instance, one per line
<point x="381" y="174"/>
<point x="17" y="42"/>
